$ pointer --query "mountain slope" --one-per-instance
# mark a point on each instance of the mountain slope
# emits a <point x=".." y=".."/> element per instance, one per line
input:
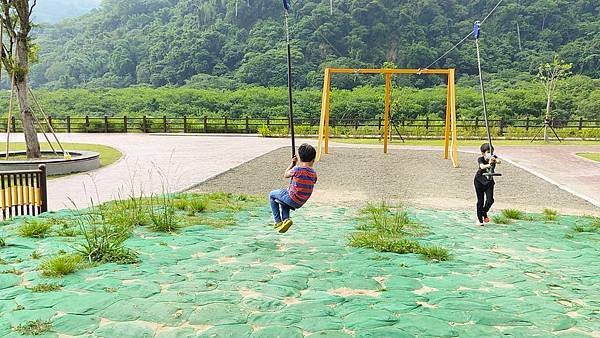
<point x="160" y="42"/>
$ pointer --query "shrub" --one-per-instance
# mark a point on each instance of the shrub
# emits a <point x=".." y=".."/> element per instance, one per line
<point x="34" y="228"/>
<point x="60" y="265"/>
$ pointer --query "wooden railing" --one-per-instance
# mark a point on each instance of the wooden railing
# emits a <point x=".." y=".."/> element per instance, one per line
<point x="23" y="192"/>
<point x="309" y="126"/>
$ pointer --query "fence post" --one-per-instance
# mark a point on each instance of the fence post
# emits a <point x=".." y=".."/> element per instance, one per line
<point x="225" y="124"/>
<point x="476" y="122"/>
<point x="125" y="123"/>
<point x="43" y="190"/>
<point x="185" y="127"/>
<point x="13" y="121"/>
<point x="87" y="124"/>
<point x="247" y="125"/>
<point x="50" y="120"/>
<point x="106" y="123"/>
<point x="165" y="123"/>
<point x="527" y="124"/>
<point x="68" y="124"/>
<point x="145" y="124"/>
<point x="427" y="123"/>
<point x="580" y="123"/>
<point x="268" y="122"/>
<point x="205" y="124"/>
<point x="501" y="125"/>
<point x="379" y="122"/>
<point x="356" y="124"/>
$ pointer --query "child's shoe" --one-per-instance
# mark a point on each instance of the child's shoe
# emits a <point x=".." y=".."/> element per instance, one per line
<point x="285" y="226"/>
<point x="479" y="223"/>
<point x="277" y="225"/>
<point x="486" y="219"/>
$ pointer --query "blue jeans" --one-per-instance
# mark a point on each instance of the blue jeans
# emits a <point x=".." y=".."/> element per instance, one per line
<point x="281" y="212"/>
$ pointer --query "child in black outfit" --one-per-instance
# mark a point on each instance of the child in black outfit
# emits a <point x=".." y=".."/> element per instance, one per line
<point x="484" y="185"/>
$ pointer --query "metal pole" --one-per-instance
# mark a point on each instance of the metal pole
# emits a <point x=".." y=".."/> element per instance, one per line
<point x="485" y="114"/>
<point x="290" y="99"/>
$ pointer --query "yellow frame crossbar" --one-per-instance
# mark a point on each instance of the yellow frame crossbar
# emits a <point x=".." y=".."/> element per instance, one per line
<point x="450" y="134"/>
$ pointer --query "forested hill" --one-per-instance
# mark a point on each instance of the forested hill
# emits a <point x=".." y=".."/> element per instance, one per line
<point x="162" y="42"/>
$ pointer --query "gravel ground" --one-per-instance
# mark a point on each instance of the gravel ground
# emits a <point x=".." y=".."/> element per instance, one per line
<point x="417" y="178"/>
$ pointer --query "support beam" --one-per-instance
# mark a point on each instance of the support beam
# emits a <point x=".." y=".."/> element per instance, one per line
<point x="453" y="119"/>
<point x="324" y="112"/>
<point x="447" y="126"/>
<point x="386" y="117"/>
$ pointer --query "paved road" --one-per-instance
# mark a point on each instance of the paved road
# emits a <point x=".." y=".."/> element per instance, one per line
<point x="557" y="164"/>
<point x="153" y="164"/>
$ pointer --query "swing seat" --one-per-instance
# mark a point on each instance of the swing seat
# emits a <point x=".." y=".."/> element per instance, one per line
<point x="284" y="204"/>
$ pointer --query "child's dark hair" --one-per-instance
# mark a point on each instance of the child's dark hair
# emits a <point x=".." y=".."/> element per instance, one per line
<point x="485" y="148"/>
<point x="307" y="153"/>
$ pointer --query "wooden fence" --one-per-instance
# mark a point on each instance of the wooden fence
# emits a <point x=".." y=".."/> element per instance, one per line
<point x="23" y="192"/>
<point x="307" y="126"/>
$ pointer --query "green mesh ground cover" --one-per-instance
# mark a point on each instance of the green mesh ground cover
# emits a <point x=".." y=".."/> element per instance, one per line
<point x="523" y="279"/>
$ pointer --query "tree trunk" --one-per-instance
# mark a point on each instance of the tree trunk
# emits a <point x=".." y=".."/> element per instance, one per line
<point x="33" y="145"/>
<point x="547" y="117"/>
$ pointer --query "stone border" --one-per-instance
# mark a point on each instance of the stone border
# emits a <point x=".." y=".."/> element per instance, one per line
<point x="81" y="161"/>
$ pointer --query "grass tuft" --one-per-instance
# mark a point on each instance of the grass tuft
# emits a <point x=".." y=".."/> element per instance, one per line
<point x="385" y="243"/>
<point x="435" y="253"/>
<point x="162" y="215"/>
<point x="550" y="214"/>
<point x="592" y="226"/>
<point x="392" y="220"/>
<point x="501" y="219"/>
<point x="60" y="265"/>
<point x="2" y="242"/>
<point x="45" y="287"/>
<point x="213" y="222"/>
<point x="514" y="214"/>
<point x="33" y="328"/>
<point x="34" y="228"/>
<point x="36" y="254"/>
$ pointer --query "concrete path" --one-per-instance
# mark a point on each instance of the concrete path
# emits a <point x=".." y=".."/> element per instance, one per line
<point x="153" y="164"/>
<point x="557" y="164"/>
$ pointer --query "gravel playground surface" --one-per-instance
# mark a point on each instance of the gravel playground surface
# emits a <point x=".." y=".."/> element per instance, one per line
<point x="416" y="177"/>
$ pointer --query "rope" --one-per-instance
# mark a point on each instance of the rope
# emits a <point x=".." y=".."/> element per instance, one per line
<point x="466" y="37"/>
<point x="47" y="122"/>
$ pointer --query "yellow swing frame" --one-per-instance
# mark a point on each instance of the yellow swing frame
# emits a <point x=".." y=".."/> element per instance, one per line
<point x="450" y="134"/>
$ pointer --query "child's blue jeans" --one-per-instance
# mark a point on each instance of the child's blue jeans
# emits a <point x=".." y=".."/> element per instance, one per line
<point x="281" y="212"/>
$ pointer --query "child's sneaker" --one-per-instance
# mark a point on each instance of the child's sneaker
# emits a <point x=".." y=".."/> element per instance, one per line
<point x="479" y="223"/>
<point x="486" y="219"/>
<point x="277" y="225"/>
<point x="285" y="226"/>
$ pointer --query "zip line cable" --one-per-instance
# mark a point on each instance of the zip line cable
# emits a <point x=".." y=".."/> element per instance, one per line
<point x="466" y="37"/>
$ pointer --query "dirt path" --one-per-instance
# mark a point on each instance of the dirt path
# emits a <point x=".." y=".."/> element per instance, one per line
<point x="416" y="177"/>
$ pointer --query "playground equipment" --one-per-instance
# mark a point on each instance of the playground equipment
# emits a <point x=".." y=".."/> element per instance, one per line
<point x="450" y="134"/>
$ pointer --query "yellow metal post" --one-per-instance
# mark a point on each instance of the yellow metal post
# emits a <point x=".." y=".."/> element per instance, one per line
<point x="324" y="111"/>
<point x="454" y="126"/>
<point x="448" y="120"/>
<point x="386" y="124"/>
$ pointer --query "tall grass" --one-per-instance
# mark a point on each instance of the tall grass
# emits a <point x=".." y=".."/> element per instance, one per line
<point x="388" y="228"/>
